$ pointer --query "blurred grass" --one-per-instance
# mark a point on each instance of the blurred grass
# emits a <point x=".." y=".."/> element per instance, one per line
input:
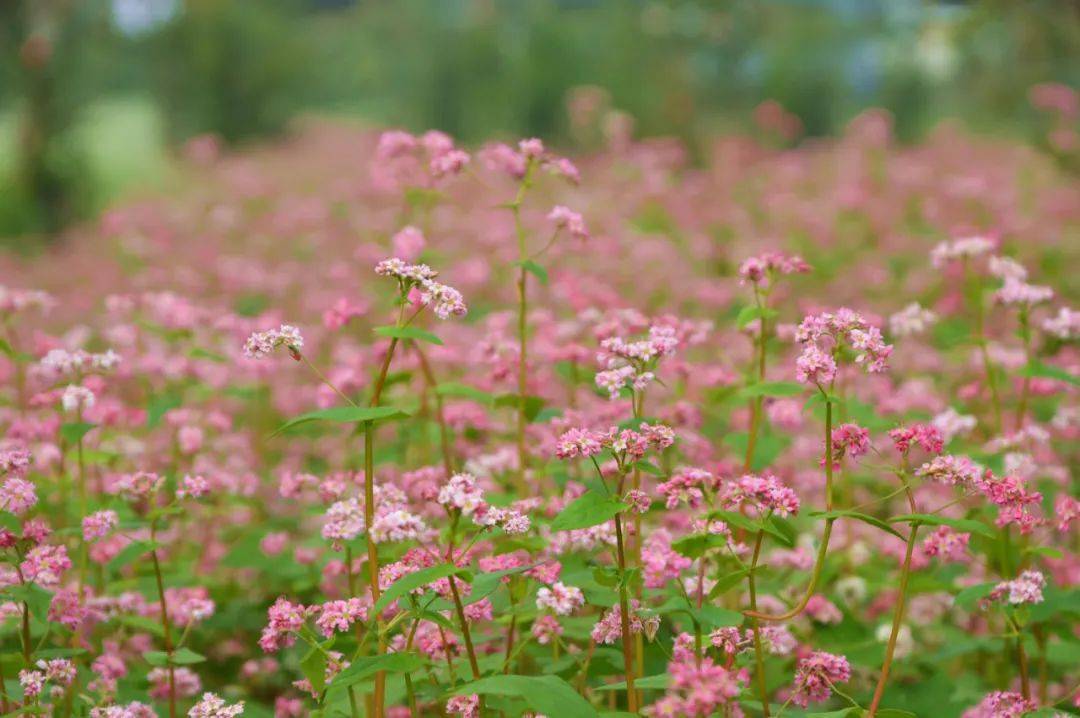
<point x="121" y="138"/>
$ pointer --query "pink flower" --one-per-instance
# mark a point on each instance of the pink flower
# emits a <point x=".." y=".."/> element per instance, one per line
<point x="1001" y="704"/>
<point x="262" y="344"/>
<point x="17" y="496"/>
<point x="408" y="243"/>
<point x="213" y="706"/>
<point x="815" y="676"/>
<point x="100" y="524"/>
<point x="1026" y="588"/>
<point x="572" y="222"/>
<point x="559" y="598"/>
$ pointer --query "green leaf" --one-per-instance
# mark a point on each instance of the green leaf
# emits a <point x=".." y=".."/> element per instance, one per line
<point x="34" y="596"/>
<point x="6" y="348"/>
<point x="74" y="432"/>
<point x="589" y="509"/>
<point x="965" y="525"/>
<point x="415" y="333"/>
<point x="772" y="388"/>
<point x="465" y="391"/>
<point x="533" y="404"/>
<point x="313" y="666"/>
<point x="849" y="712"/>
<point x="547" y="694"/>
<point x="727" y="582"/>
<point x="695" y="545"/>
<point x="968" y="597"/>
<point x="158" y="659"/>
<point x="200" y="353"/>
<point x="865" y="518"/>
<point x="708" y="616"/>
<point x="895" y="713"/>
<point x="535" y="269"/>
<point x="414" y="581"/>
<point x="1048" y="371"/>
<point x="750" y="313"/>
<point x="367" y="666"/>
<point x="345" y="414"/>
<point x="158" y="406"/>
<point x="649" y="468"/>
<point x="659" y="682"/>
<point x="1048" y="551"/>
<point x="186" y="657"/>
<point x="129" y="553"/>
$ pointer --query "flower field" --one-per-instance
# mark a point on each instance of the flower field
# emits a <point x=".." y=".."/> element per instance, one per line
<point x="374" y="424"/>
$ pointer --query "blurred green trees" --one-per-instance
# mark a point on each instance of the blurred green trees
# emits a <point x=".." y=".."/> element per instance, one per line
<point x="479" y="68"/>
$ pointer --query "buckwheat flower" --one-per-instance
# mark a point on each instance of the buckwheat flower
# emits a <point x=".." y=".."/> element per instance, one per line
<point x="947" y="544"/>
<point x="823" y="610"/>
<point x="613" y="380"/>
<point x="99" y="524"/>
<point x="340" y="615"/>
<point x="565" y="218"/>
<point x="963" y="248"/>
<point x="926" y="436"/>
<point x="284" y="620"/>
<point x="699" y="688"/>
<point x="660" y="437"/>
<point x="951" y="471"/>
<point x="1066" y="510"/>
<point x="261" y="344"/>
<point x="32" y="683"/>
<point x="1001" y="704"/>
<point x="408" y="243"/>
<point x="762" y="493"/>
<point x="343" y="521"/>
<point x="1065" y="325"/>
<point x="687" y="486"/>
<point x="1016" y="293"/>
<point x="560" y="599"/>
<point x="850" y="440"/>
<point x="777" y="639"/>
<point x="213" y="706"/>
<point x="45" y="564"/>
<point x="58" y="670"/>
<point x="511" y="521"/>
<point x="408" y="274"/>
<point x="1007" y="268"/>
<point x="1026" y="588"/>
<point x="462" y="493"/>
<point x="15" y="461"/>
<point x="608" y="629"/>
<point x="1013" y="499"/>
<point x="76" y="398"/>
<point x="341" y="313"/>
<point x="448" y="163"/>
<point x="815" y="676"/>
<point x="17" y="496"/>
<point x="951" y="423"/>
<point x="815" y="367"/>
<point x="135" y="709"/>
<point x="532" y="148"/>
<point x="911" y="320"/>
<point x="545" y="628"/>
<point x="639" y="501"/>
<point x="767" y="265"/>
<point x="577" y="442"/>
<point x="871" y="349"/>
<point x="499" y="157"/>
<point x="464" y="706"/>
<point x="19" y="300"/>
<point x="445" y="301"/>
<point x="564" y="168"/>
<point x="394" y="143"/>
<point x="195" y="487"/>
<point x="137" y="486"/>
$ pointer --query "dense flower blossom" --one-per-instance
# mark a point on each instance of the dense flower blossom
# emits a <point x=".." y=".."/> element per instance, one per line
<point x="1001" y="704"/>
<point x="698" y="688"/>
<point x="62" y="362"/>
<point x="816" y="674"/>
<point x="464" y="706"/>
<point x="952" y="471"/>
<point x="822" y="336"/>
<point x="560" y="598"/>
<point x="1016" y="292"/>
<point x="964" y="248"/>
<point x="1026" y="588"/>
<point x="17" y="496"/>
<point x="911" y="320"/>
<point x="766" y="266"/>
<point x="762" y="494"/>
<point x="926" y="436"/>
<point x="99" y="524"/>
<point x="946" y="544"/>
<point x="262" y="344"/>
<point x="1065" y="325"/>
<point x="213" y="706"/>
<point x="850" y="440"/>
<point x="77" y="398"/>
<point x="340" y="615"/>
<point x="571" y="221"/>
<point x="609" y="628"/>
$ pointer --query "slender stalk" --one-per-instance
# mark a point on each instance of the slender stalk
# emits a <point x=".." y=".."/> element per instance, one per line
<point x="624" y="608"/>
<point x="459" y="609"/>
<point x="819" y="562"/>
<point x="166" y="627"/>
<point x="980" y="338"/>
<point x="522" y="291"/>
<point x="369" y="517"/>
<point x="898" y="616"/>
<point x="1025" y="387"/>
<point x="756" y="402"/>
<point x="755" y="625"/>
<point x="1021" y="660"/>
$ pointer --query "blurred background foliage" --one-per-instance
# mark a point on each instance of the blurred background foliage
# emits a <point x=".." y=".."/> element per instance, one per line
<point x="96" y="95"/>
